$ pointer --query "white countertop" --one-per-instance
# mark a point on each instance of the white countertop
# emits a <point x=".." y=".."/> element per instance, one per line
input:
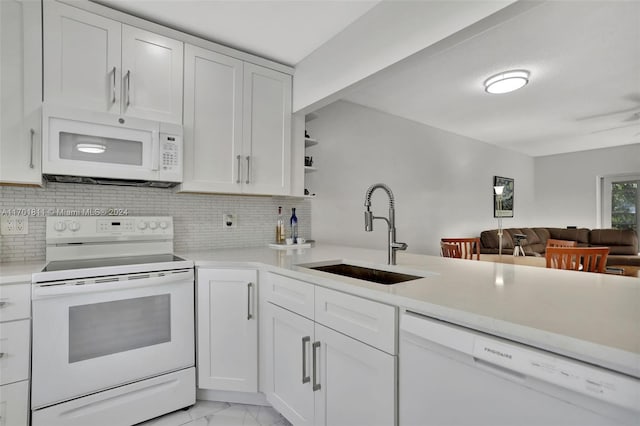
<point x="19" y="272"/>
<point x="588" y="316"/>
<point x="592" y="317"/>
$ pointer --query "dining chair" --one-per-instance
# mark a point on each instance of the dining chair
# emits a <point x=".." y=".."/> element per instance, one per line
<point x="587" y="259"/>
<point x="450" y="250"/>
<point x="467" y="247"/>
<point x="561" y="243"/>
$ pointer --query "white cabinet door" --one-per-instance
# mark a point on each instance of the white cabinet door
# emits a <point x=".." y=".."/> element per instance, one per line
<point x="20" y="92"/>
<point x="356" y="384"/>
<point x="95" y="63"/>
<point x="289" y="355"/>
<point x="227" y="330"/>
<point x="151" y="75"/>
<point x="81" y="58"/>
<point x="212" y="121"/>
<point x="14" y="399"/>
<point x="267" y="131"/>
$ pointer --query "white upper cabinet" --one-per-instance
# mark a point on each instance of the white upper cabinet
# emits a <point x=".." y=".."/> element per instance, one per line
<point x="81" y="58"/>
<point x="152" y="75"/>
<point x="96" y="63"/>
<point x="21" y="92"/>
<point x="212" y="121"/>
<point x="267" y="130"/>
<point x="237" y="126"/>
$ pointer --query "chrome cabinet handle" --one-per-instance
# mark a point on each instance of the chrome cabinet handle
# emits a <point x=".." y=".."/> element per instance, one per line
<point x="128" y="78"/>
<point x="305" y="377"/>
<point x="248" y="169"/>
<point x="249" y="316"/>
<point x="31" y="135"/>
<point x="238" y="158"/>
<point x="316" y="385"/>
<point x="113" y="88"/>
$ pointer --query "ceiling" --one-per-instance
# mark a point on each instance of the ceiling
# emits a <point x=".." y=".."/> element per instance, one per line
<point x="284" y="31"/>
<point x="584" y="89"/>
<point x="584" y="59"/>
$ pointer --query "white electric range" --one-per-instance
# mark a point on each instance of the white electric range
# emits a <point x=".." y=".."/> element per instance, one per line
<point x="113" y="323"/>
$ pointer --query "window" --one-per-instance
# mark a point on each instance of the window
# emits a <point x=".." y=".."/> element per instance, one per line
<point x="621" y="202"/>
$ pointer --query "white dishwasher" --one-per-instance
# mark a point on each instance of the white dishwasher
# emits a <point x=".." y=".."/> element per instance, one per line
<point x="451" y="375"/>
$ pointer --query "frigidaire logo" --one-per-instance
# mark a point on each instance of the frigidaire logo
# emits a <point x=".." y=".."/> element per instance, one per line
<point x="496" y="352"/>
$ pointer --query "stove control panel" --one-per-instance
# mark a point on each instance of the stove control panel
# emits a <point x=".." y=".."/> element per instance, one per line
<point x="79" y="229"/>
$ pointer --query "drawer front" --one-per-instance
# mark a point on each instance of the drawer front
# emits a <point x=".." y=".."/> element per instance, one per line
<point x="14" y="350"/>
<point x="291" y="294"/>
<point x="370" y="322"/>
<point x="14" y="404"/>
<point x="15" y="301"/>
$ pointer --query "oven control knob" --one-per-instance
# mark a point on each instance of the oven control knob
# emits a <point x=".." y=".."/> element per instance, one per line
<point x="142" y="225"/>
<point x="163" y="225"/>
<point x="153" y="225"/>
<point x="60" y="226"/>
<point x="74" y="226"/>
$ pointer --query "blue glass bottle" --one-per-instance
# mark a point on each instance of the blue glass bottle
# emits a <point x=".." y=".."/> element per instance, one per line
<point x="294" y="225"/>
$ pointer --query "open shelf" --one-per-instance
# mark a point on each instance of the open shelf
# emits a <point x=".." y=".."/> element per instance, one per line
<point x="308" y="169"/>
<point x="310" y="142"/>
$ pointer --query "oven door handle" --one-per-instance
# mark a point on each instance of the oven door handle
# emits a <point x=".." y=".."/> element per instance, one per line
<point x="110" y="284"/>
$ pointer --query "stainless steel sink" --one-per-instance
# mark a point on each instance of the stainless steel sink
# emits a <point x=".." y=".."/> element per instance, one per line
<point x="366" y="274"/>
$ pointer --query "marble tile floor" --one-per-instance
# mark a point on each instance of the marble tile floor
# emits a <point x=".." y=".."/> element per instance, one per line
<point x="213" y="413"/>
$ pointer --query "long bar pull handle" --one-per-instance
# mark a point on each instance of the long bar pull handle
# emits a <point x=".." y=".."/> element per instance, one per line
<point x="128" y="77"/>
<point x="113" y="87"/>
<point x="316" y="385"/>
<point x="248" y="169"/>
<point x="249" y="316"/>
<point x="305" y="377"/>
<point x="31" y="137"/>
<point x="238" y="158"/>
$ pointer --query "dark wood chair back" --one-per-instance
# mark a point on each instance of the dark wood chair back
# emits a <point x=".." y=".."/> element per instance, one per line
<point x="587" y="259"/>
<point x="467" y="247"/>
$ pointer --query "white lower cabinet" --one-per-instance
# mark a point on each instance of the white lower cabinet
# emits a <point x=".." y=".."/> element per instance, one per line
<point x="14" y="404"/>
<point x="321" y="376"/>
<point x="356" y="383"/>
<point x="15" y="339"/>
<point x="227" y="329"/>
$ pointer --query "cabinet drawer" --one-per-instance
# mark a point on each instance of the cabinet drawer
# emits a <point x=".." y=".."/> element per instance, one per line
<point x="291" y="294"/>
<point x="370" y="322"/>
<point x="14" y="350"/>
<point x="15" y="301"/>
<point x="14" y="404"/>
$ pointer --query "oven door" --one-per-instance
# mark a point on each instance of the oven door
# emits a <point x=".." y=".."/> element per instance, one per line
<point x="97" y="334"/>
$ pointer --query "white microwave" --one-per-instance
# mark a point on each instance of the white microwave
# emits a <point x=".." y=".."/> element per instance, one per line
<point x="86" y="146"/>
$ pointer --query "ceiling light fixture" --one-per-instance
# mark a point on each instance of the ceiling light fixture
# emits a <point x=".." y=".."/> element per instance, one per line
<point x="506" y="81"/>
<point x="91" y="148"/>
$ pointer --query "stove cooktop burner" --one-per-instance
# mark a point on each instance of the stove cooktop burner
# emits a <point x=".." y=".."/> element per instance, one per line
<point x="65" y="265"/>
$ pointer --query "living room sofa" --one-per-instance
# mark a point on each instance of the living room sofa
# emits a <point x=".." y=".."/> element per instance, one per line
<point x="623" y="244"/>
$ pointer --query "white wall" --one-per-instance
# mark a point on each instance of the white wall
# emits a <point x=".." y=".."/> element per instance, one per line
<point x="566" y="184"/>
<point x="442" y="182"/>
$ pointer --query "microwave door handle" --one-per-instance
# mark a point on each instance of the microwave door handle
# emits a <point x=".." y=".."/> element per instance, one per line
<point x="155" y="150"/>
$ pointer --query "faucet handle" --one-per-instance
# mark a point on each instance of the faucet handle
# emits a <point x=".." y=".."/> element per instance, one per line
<point x="399" y="246"/>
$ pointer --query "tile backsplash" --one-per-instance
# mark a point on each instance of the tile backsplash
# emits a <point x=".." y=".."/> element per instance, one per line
<point x="197" y="217"/>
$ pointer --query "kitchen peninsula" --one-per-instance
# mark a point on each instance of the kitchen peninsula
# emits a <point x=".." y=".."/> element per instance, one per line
<point x="591" y="317"/>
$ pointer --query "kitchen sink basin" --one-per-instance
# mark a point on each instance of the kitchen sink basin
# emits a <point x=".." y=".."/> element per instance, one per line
<point x="367" y="274"/>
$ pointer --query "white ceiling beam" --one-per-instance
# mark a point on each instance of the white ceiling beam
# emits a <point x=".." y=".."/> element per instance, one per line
<point x="388" y="33"/>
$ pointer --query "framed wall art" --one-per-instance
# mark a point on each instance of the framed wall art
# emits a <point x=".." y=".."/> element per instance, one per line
<point x="503" y="205"/>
